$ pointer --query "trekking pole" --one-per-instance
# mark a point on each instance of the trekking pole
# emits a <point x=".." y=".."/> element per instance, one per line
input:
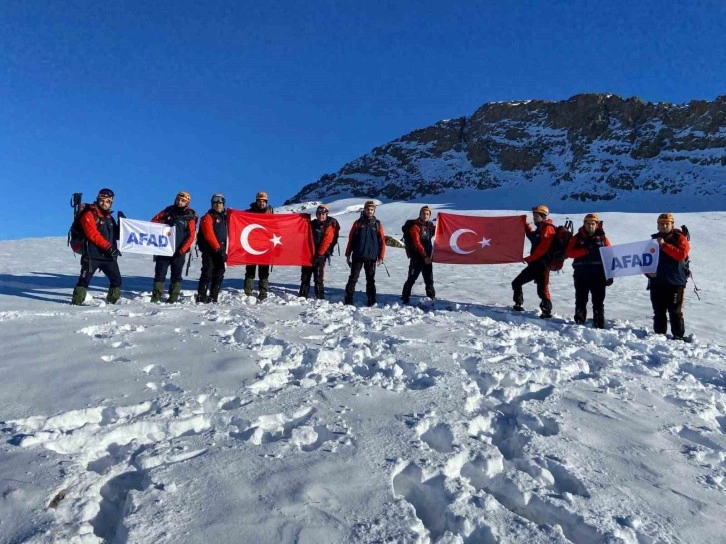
<point x="189" y="262"/>
<point x="384" y="266"/>
<point x="695" y="287"/>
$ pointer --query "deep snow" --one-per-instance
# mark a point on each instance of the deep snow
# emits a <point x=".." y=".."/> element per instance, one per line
<point x="312" y="422"/>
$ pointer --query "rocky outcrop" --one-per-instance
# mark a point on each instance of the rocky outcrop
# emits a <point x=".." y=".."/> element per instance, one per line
<point x="591" y="148"/>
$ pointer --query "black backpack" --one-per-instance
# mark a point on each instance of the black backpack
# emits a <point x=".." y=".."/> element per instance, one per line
<point x="558" y="248"/>
<point x="76" y="236"/>
<point x="333" y="222"/>
<point x="407" y="240"/>
<point x="687" y="262"/>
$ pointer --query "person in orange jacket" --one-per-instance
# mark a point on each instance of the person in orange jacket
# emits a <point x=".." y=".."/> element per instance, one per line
<point x="184" y="220"/>
<point x="323" y="234"/>
<point x="212" y="242"/>
<point x="668" y="284"/>
<point x="99" y="251"/>
<point x="589" y="274"/>
<point x="366" y="249"/>
<point x="537" y="269"/>
<point x="422" y="237"/>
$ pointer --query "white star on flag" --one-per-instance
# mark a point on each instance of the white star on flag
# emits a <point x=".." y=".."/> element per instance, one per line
<point x="484" y="242"/>
<point x="276" y="240"/>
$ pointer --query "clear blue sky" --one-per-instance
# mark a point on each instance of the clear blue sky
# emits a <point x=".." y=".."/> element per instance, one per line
<point x="153" y="97"/>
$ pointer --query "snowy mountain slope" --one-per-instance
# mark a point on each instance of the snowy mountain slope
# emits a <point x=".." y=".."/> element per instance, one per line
<point x="591" y="150"/>
<point x="300" y="421"/>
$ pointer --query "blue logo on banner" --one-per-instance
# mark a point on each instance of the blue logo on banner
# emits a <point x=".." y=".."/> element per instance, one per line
<point x="631" y="261"/>
<point x="148" y="240"/>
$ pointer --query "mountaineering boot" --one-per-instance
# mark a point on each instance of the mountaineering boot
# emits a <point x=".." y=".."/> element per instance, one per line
<point x="214" y="292"/>
<point x="304" y="290"/>
<point x="320" y="291"/>
<point x="174" y="292"/>
<point x="580" y="315"/>
<point x="431" y="292"/>
<point x="678" y="327"/>
<point x="157" y="291"/>
<point x="114" y="293"/>
<point x="406" y="295"/>
<point x="660" y="323"/>
<point x="263" y="284"/>
<point x="249" y="285"/>
<point x="518" y="298"/>
<point x="546" y="307"/>
<point x="518" y="308"/>
<point x="201" y="296"/>
<point x="79" y="296"/>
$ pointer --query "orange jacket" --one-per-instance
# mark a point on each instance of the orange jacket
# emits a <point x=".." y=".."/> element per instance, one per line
<point x="328" y="235"/>
<point x="185" y="225"/>
<point x="574" y="252"/>
<point x="206" y="228"/>
<point x="88" y="224"/>
<point x="546" y="233"/>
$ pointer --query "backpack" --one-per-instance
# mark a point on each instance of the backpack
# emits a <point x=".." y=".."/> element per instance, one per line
<point x="407" y="240"/>
<point x="558" y="248"/>
<point x="687" y="262"/>
<point x="333" y="222"/>
<point x="76" y="236"/>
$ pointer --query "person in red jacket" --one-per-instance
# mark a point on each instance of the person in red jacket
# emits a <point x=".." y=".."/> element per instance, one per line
<point x="422" y="237"/>
<point x="323" y="234"/>
<point x="99" y="251"/>
<point x="537" y="269"/>
<point x="668" y="284"/>
<point x="212" y="242"/>
<point x="184" y="220"/>
<point x="589" y="274"/>
<point x="260" y="205"/>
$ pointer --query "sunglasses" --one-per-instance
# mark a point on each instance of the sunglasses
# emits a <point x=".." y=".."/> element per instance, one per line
<point x="324" y="212"/>
<point x="105" y="200"/>
<point x="217" y="200"/>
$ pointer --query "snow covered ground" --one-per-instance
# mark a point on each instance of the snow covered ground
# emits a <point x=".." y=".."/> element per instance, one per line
<point x="314" y="422"/>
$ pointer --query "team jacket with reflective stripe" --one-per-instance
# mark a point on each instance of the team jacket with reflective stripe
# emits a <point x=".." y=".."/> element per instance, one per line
<point x="184" y="220"/>
<point x="99" y="228"/>
<point x="672" y="259"/>
<point x="213" y="231"/>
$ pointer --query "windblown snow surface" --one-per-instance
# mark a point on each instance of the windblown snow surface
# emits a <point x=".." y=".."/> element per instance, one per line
<point x="312" y="422"/>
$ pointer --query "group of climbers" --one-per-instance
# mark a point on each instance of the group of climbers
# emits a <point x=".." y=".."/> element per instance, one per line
<point x="366" y="250"/>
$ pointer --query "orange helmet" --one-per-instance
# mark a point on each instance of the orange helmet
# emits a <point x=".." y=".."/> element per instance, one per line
<point x="541" y="209"/>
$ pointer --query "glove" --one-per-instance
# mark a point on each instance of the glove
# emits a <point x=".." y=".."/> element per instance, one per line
<point x="121" y="215"/>
<point x="318" y="260"/>
<point x="115" y="253"/>
<point x="609" y="282"/>
<point x="177" y="253"/>
<point x="222" y="254"/>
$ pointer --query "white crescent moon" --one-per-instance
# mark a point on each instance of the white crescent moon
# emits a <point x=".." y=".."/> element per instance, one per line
<point x="244" y="239"/>
<point x="455" y="238"/>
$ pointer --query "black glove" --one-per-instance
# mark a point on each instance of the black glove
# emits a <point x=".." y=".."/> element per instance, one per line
<point x="222" y="254"/>
<point x="121" y="215"/>
<point x="609" y="282"/>
<point x="319" y="260"/>
<point x="115" y="253"/>
<point x="177" y="253"/>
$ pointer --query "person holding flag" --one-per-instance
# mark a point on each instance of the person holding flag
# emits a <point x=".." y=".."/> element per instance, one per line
<point x="421" y="234"/>
<point x="366" y="249"/>
<point x="212" y="243"/>
<point x="668" y="283"/>
<point x="323" y="234"/>
<point x="184" y="220"/>
<point x="260" y="205"/>
<point x="541" y="236"/>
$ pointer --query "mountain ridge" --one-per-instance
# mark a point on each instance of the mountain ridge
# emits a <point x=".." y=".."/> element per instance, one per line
<point x="590" y="151"/>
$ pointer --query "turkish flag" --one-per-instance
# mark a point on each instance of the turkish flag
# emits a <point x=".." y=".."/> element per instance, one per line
<point x="466" y="239"/>
<point x="266" y="238"/>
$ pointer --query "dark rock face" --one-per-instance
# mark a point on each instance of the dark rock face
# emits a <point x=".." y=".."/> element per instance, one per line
<point x="592" y="148"/>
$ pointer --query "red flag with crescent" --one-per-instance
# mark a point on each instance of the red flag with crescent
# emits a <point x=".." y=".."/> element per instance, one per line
<point x="265" y="238"/>
<point x="466" y="239"/>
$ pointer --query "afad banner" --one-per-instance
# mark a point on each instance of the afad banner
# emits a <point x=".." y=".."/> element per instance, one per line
<point x="630" y="259"/>
<point x="146" y="237"/>
<point x="265" y="238"/>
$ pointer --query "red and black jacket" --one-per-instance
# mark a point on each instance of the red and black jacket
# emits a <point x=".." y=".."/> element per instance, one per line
<point x="99" y="228"/>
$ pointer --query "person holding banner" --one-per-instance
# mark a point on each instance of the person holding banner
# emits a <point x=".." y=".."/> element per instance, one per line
<point x="584" y="248"/>
<point x="366" y="249"/>
<point x="212" y="243"/>
<point x="184" y="221"/>
<point x="258" y="206"/>
<point x="668" y="283"/>
<point x="540" y="236"/>
<point x="99" y="251"/>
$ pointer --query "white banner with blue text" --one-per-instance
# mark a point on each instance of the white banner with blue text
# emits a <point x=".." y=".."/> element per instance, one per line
<point x="146" y="237"/>
<point x="630" y="259"/>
